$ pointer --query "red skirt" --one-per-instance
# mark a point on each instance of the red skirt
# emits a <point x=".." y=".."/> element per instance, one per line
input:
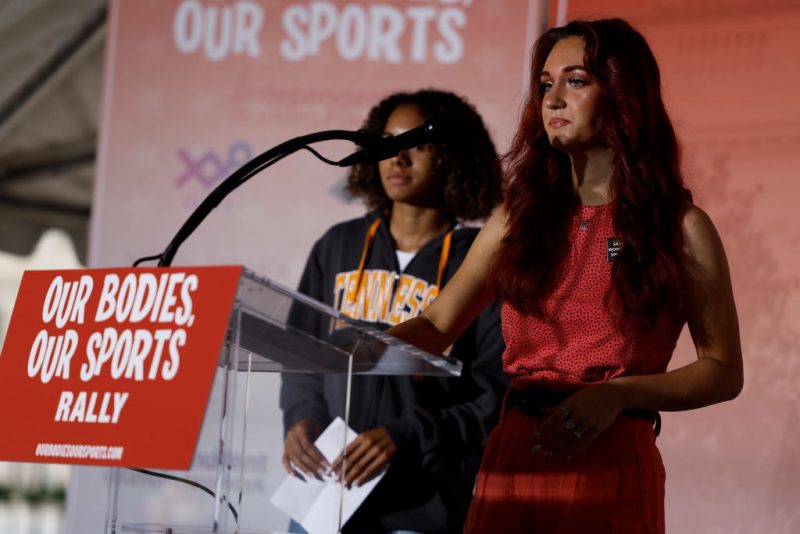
<point x="616" y="485"/>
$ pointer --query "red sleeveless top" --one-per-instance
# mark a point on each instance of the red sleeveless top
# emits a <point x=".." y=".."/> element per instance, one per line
<point x="579" y="342"/>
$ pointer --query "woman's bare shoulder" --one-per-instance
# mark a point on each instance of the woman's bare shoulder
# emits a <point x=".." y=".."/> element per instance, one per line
<point x="698" y="229"/>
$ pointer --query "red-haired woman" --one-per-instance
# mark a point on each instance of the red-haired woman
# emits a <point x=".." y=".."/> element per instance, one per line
<point x="600" y="257"/>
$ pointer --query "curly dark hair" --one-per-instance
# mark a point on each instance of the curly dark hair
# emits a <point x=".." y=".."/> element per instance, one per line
<point x="469" y="166"/>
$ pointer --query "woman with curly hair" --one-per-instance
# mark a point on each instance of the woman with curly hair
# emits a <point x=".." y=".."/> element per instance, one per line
<point x="382" y="269"/>
<point x="599" y="258"/>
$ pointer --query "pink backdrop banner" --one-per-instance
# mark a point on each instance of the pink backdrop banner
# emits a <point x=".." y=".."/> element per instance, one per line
<point x="196" y="88"/>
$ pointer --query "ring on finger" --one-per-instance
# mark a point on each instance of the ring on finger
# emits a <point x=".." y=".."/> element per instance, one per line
<point x="576" y="433"/>
<point x="570" y="425"/>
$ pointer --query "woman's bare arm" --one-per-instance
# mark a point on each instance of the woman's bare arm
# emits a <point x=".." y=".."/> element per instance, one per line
<point x="715" y="376"/>
<point x="462" y="299"/>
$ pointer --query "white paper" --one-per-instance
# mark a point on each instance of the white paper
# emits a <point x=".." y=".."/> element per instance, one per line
<point x="315" y="503"/>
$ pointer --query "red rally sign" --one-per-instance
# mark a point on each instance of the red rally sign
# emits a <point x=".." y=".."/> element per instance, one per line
<point x="112" y="366"/>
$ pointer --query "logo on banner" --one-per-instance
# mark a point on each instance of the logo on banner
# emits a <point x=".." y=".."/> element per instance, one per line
<point x="211" y="168"/>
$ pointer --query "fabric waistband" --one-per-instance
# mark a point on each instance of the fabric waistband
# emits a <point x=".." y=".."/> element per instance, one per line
<point x="537" y="402"/>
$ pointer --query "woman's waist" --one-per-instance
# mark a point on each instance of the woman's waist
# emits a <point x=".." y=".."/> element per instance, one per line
<point x="540" y="402"/>
<point x="571" y="370"/>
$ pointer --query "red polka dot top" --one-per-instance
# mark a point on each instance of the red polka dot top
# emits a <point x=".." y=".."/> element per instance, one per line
<point x="579" y="342"/>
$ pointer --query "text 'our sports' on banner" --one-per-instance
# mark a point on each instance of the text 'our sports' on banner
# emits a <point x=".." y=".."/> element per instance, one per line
<point x="392" y="32"/>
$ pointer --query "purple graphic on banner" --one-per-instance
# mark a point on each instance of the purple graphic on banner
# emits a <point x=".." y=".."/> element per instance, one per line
<point x="210" y="169"/>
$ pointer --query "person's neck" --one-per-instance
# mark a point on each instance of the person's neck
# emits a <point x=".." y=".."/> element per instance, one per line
<point x="412" y="226"/>
<point x="592" y="170"/>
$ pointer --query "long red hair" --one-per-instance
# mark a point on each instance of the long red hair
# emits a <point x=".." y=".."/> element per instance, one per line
<point x="647" y="190"/>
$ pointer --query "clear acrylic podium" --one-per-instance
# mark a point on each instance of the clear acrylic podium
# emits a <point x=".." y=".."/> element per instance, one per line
<point x="238" y="456"/>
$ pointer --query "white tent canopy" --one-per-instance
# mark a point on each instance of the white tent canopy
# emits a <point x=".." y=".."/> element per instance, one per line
<point x="51" y="54"/>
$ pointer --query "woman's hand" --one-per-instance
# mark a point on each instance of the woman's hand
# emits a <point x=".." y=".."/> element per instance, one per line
<point x="299" y="451"/>
<point x="367" y="456"/>
<point x="577" y="421"/>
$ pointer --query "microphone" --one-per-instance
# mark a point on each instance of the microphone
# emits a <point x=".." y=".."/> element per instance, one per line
<point x="437" y="129"/>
